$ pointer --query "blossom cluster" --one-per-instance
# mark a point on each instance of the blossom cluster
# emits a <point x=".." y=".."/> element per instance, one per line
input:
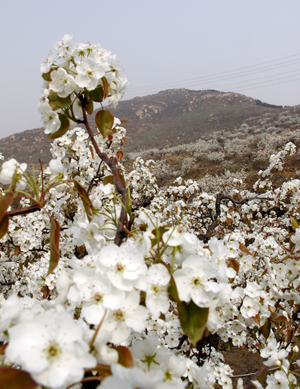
<point x="86" y="71"/>
<point x="190" y="267"/>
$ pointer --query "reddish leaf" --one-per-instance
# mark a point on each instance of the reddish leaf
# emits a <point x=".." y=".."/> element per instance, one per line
<point x="120" y="155"/>
<point x="244" y="249"/>
<point x="233" y="263"/>
<point x="15" y="379"/>
<point x="88" y="206"/>
<point x="122" y="179"/>
<point x="104" y="120"/>
<point x="125" y="357"/>
<point x="54" y="245"/>
<point x="256" y="318"/>
<point x="288" y="335"/>
<point x="4" y="223"/>
<point x="5" y="202"/>
<point x="108" y="180"/>
<point x="2" y="348"/>
<point x="103" y="370"/>
<point x="266" y="328"/>
<point x="279" y="319"/>
<point x="105" y="87"/>
<point x="46" y="291"/>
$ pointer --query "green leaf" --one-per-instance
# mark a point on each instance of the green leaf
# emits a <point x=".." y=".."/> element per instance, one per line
<point x="97" y="94"/>
<point x="65" y="124"/>
<point x="54" y="245"/>
<point x="173" y="293"/>
<point x="88" y="206"/>
<point x="229" y="345"/>
<point x="15" y="379"/>
<point x="105" y="87"/>
<point x="104" y="120"/>
<point x="47" y="76"/>
<point x="89" y="107"/>
<point x="193" y="320"/>
<point x="57" y="102"/>
<point x="294" y="223"/>
<point x="157" y="233"/>
<point x="4" y="223"/>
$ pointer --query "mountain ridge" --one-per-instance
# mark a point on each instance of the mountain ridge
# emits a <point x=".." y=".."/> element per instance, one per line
<point x="167" y="118"/>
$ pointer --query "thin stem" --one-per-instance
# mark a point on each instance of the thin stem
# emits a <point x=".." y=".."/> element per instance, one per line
<point x="97" y="330"/>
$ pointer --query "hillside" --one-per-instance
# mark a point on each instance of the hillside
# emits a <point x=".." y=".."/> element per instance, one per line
<point x="177" y="116"/>
<point x="168" y="118"/>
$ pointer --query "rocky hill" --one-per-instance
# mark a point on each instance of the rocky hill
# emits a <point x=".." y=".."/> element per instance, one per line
<point x="177" y="116"/>
<point x="168" y="118"/>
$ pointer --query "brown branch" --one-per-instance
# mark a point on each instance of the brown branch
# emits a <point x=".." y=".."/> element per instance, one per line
<point x="219" y="198"/>
<point x="24" y="211"/>
<point x="112" y="164"/>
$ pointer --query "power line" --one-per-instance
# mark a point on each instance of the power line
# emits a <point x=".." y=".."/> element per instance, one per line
<point x="263" y="86"/>
<point x="251" y="81"/>
<point x="236" y="72"/>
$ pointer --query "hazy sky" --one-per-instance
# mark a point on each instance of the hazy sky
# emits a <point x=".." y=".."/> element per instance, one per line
<point x="246" y="46"/>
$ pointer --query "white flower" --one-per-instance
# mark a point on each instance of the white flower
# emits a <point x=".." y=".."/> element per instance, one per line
<point x="89" y="73"/>
<point x="10" y="311"/>
<point x="272" y="352"/>
<point x="250" y="307"/>
<point x="50" y="118"/>
<point x="63" y="45"/>
<point x="62" y="83"/>
<point x="155" y="285"/>
<point x="129" y="316"/>
<point x="51" y="349"/>
<point x="278" y="380"/>
<point x="45" y="67"/>
<point x="56" y="167"/>
<point x="123" y="265"/>
<point x="193" y="281"/>
<point x="9" y="168"/>
<point x="131" y="378"/>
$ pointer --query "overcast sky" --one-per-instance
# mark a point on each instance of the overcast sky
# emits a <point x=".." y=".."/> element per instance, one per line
<point x="246" y="46"/>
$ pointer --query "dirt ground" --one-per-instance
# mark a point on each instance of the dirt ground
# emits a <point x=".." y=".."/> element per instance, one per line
<point x="243" y="362"/>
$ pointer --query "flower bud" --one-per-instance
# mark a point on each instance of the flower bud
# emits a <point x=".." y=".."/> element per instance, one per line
<point x="295" y="349"/>
<point x="277" y="363"/>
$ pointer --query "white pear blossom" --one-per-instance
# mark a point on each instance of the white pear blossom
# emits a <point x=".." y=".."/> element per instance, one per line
<point x="49" y="117"/>
<point x="123" y="265"/>
<point x="155" y="285"/>
<point x="9" y="169"/>
<point x="62" y="82"/>
<point x="51" y="349"/>
<point x="89" y="73"/>
<point x="194" y="281"/>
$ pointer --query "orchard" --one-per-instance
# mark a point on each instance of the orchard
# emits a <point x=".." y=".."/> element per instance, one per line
<point x="110" y="282"/>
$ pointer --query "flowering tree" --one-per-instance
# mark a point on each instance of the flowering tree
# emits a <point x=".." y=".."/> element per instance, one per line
<point x="110" y="281"/>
